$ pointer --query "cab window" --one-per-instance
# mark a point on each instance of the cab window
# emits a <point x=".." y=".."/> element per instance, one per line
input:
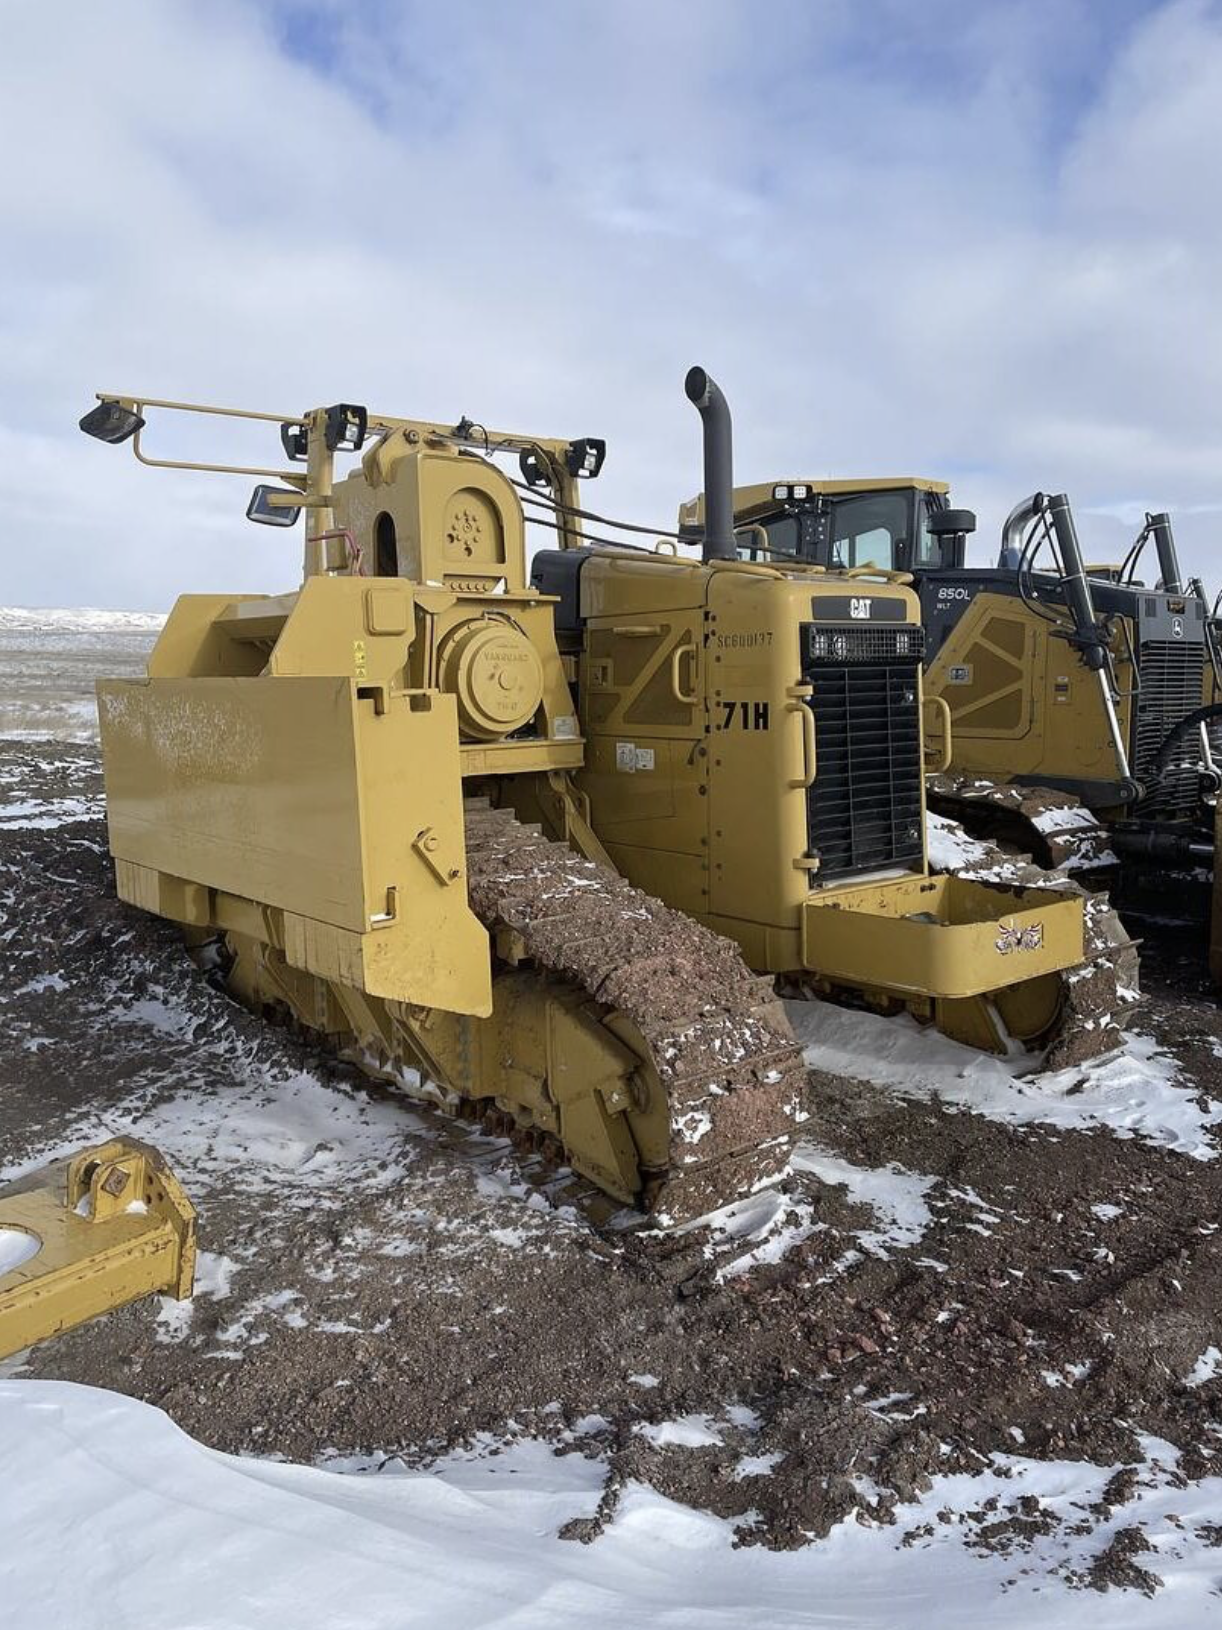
<point x="784" y="536"/>
<point x="867" y="529"/>
<point x="928" y="548"/>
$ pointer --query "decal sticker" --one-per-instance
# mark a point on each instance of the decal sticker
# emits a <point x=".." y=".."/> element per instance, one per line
<point x="1012" y="938"/>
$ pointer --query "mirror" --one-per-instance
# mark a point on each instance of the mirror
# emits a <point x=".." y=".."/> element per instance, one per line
<point x="948" y="521"/>
<point x="266" y="512"/>
<point x="111" y="422"/>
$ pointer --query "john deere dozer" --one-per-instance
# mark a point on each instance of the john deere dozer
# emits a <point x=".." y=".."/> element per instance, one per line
<point x="1075" y="692"/>
<point x="529" y="846"/>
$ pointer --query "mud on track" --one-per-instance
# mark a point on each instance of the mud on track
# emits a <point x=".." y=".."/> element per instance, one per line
<point x="931" y="1288"/>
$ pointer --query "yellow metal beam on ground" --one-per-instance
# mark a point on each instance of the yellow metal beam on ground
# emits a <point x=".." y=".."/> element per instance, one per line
<point x="104" y="1228"/>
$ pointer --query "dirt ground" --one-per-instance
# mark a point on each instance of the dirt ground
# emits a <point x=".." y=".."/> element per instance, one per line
<point x="377" y="1280"/>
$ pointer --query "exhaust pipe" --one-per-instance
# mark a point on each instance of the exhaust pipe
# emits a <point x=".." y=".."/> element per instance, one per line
<point x="1168" y="555"/>
<point x="705" y="394"/>
<point x="1016" y="523"/>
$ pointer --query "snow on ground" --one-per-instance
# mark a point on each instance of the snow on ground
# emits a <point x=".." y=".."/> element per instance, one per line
<point x="79" y="620"/>
<point x="950" y="848"/>
<point x="766" y="1225"/>
<point x="103" y="1501"/>
<point x="45" y="813"/>
<point x="51" y="659"/>
<point x="1206" y="1368"/>
<point x="288" y="1134"/>
<point x="16" y="1246"/>
<point x="1136" y="1093"/>
<point x="71" y="719"/>
<point x="213" y="1278"/>
<point x="688" y="1432"/>
<point x="895" y="1196"/>
<point x="760" y="1228"/>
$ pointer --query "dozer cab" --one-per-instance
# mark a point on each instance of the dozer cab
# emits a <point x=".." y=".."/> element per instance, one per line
<point x="1074" y="692"/>
<point x="527" y="846"/>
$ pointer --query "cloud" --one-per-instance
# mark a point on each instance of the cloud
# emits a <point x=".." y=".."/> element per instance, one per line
<point x="979" y="243"/>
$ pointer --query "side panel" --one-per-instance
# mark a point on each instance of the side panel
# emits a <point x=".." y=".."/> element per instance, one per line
<point x="297" y="794"/>
<point x="758" y="739"/>
<point x="990" y="669"/>
<point x="642" y="680"/>
<point x="1021" y="701"/>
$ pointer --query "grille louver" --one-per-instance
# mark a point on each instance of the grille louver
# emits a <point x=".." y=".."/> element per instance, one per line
<point x="864" y="809"/>
<point x="1172" y="673"/>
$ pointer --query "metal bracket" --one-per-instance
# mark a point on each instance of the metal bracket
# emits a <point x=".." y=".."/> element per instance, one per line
<point x="437" y="855"/>
<point x="111" y="1228"/>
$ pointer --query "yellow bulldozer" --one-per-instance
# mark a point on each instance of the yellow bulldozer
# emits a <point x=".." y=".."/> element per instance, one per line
<point x="540" y="849"/>
<point x="1075" y="691"/>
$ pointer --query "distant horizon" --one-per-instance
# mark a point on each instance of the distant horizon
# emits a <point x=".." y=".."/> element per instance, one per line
<point x="79" y="611"/>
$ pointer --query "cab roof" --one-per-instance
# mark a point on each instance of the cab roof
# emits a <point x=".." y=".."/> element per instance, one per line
<point x="760" y="497"/>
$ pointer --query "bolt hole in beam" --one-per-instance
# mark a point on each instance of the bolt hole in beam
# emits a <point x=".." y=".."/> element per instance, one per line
<point x="17" y="1246"/>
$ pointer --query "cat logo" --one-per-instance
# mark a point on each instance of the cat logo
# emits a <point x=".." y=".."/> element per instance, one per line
<point x="1177" y="628"/>
<point x="860" y="609"/>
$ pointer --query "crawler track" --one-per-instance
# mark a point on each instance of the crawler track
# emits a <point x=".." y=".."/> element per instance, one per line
<point x="714" y="1034"/>
<point x="1054" y="827"/>
<point x="1059" y="842"/>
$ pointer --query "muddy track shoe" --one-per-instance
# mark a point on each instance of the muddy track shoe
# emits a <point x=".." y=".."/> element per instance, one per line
<point x="1053" y="827"/>
<point x="719" y="1077"/>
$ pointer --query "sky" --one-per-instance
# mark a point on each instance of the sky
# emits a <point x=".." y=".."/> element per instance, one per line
<point x="981" y="242"/>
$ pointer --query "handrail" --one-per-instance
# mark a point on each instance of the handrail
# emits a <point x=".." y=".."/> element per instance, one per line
<point x="943" y="707"/>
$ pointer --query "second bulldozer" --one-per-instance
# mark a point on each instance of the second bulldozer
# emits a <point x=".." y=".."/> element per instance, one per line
<point x="1075" y="692"/>
<point x="539" y="848"/>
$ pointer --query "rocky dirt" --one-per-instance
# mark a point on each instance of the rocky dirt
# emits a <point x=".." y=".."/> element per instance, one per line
<point x="933" y="1288"/>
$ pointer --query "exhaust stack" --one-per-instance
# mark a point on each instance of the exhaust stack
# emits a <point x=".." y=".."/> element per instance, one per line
<point x="705" y="394"/>
<point x="1015" y="523"/>
<point x="1168" y="555"/>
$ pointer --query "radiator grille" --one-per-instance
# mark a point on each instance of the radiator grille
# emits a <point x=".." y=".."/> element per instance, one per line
<point x="857" y="644"/>
<point x="864" y="808"/>
<point x="1172" y="674"/>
